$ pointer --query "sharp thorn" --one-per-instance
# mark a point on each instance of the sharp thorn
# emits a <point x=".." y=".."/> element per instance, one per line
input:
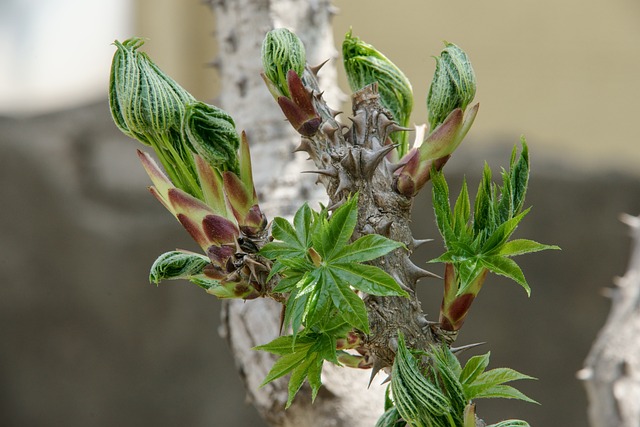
<point x="377" y="366"/>
<point x="368" y="229"/>
<point x="384" y="227"/>
<point x="344" y="184"/>
<point x="305" y="145"/>
<point x="372" y="159"/>
<point x="458" y="350"/>
<point x="329" y="129"/>
<point x="327" y="172"/>
<point x="386" y="380"/>
<point x="395" y="166"/>
<point x="350" y="163"/>
<point x="337" y="204"/>
<point x="416" y="243"/>
<point x="397" y="128"/>
<point x="358" y="124"/>
<point x="416" y="273"/>
<point x="333" y="112"/>
<point x="314" y="69"/>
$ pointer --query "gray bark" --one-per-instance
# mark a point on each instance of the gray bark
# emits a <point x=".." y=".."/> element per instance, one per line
<point x="612" y="368"/>
<point x="241" y="26"/>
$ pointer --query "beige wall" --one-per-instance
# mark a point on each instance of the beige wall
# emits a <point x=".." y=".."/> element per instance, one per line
<point x="564" y="74"/>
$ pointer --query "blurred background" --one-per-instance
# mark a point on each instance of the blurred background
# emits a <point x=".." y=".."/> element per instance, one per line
<point x="86" y="340"/>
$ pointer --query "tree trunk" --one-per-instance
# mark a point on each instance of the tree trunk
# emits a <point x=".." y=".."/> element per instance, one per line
<point x="612" y="368"/>
<point x="241" y="27"/>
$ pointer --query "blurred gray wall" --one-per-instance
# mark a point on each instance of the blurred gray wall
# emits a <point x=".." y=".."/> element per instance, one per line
<point x="86" y="340"/>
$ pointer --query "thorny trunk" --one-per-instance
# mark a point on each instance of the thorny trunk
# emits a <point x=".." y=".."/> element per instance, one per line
<point x="240" y="29"/>
<point x="612" y="369"/>
<point x="347" y="160"/>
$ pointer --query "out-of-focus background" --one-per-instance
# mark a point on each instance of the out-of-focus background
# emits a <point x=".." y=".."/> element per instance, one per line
<point x="85" y="340"/>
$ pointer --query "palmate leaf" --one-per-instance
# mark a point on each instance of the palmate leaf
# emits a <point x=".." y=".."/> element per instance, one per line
<point x="482" y="242"/>
<point x="320" y="268"/>
<point x="320" y="271"/>
<point x="366" y="248"/>
<point x="350" y="306"/>
<point x="332" y="236"/>
<point x="473" y="368"/>
<point x="478" y="383"/>
<point x="303" y="358"/>
<point x="508" y="268"/>
<point x="524" y="246"/>
<point x="368" y="279"/>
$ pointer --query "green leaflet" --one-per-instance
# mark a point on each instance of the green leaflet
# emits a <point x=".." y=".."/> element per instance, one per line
<point x="364" y="65"/>
<point x="478" y="383"/>
<point x="212" y="134"/>
<point x="303" y="358"/>
<point x="482" y="241"/>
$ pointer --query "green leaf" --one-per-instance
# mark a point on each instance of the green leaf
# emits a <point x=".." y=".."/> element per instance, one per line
<point x="297" y="378"/>
<point x="366" y="248"/>
<point x="285" y="345"/>
<point x="368" y="278"/>
<point x="339" y="228"/>
<point x="287" y="362"/>
<point x="502" y="233"/>
<point x="483" y="218"/>
<point x="277" y="250"/>
<point x="461" y="211"/>
<point x="212" y="133"/>
<point x="287" y="284"/>
<point x="282" y="230"/>
<point x="442" y="207"/>
<point x="502" y="375"/>
<point x="302" y="223"/>
<point x="351" y="307"/>
<point x="504" y="392"/>
<point x="523" y="246"/>
<point x="472" y="369"/>
<point x="490" y="384"/>
<point x="508" y="268"/>
<point x="520" y="175"/>
<point x="313" y="376"/>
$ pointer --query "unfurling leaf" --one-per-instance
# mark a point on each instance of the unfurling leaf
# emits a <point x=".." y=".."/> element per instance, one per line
<point x="453" y="85"/>
<point x="212" y="134"/>
<point x="145" y="102"/>
<point x="149" y="106"/>
<point x="282" y="51"/>
<point x="364" y="65"/>
<point x="177" y="265"/>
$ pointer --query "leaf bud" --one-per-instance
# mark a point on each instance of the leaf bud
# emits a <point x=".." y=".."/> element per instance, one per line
<point x="212" y="134"/>
<point x="364" y="65"/>
<point x="145" y="102"/>
<point x="282" y="51"/>
<point x="453" y="85"/>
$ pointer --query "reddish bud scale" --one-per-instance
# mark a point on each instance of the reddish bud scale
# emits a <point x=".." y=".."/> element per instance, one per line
<point x="454" y="308"/>
<point x="299" y="109"/>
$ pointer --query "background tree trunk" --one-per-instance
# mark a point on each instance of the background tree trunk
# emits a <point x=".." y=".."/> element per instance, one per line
<point x="612" y="368"/>
<point x="241" y="27"/>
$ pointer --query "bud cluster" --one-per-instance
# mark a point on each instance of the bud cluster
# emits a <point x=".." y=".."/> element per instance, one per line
<point x="210" y="186"/>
